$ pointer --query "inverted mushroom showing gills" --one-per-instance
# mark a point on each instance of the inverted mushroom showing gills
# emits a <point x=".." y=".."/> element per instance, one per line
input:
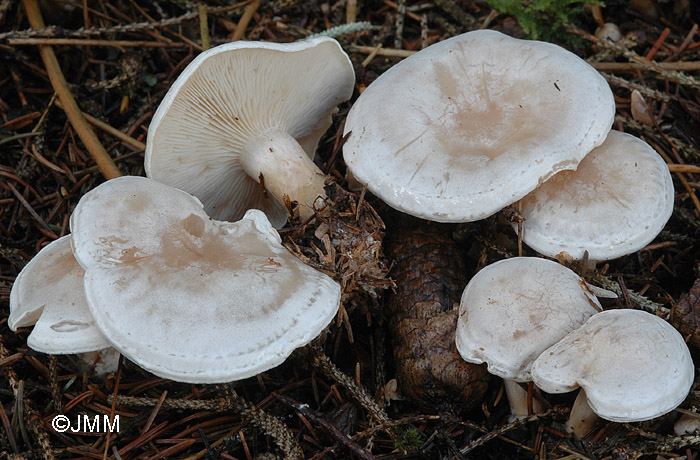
<point x="243" y="120"/>
<point x="190" y="298"/>
<point x="513" y="310"/>
<point x="48" y="294"/>
<point x="472" y="124"/>
<point x="630" y="364"/>
<point x="615" y="203"/>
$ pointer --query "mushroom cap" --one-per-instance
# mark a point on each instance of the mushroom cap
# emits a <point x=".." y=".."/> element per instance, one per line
<point x="632" y="365"/>
<point x="615" y="203"/>
<point x="514" y="309"/>
<point x="190" y="298"/>
<point x="227" y="95"/>
<point x="48" y="293"/>
<point x="472" y="124"/>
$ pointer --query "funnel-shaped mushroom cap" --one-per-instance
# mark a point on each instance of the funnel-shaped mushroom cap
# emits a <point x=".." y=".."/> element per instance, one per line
<point x="227" y="97"/>
<point x="614" y="204"/>
<point x="632" y="365"/>
<point x="470" y="125"/>
<point x="48" y="293"/>
<point x="189" y="298"/>
<point x="514" y="309"/>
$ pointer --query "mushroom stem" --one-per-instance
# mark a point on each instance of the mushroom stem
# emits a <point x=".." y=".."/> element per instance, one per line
<point x="589" y="265"/>
<point x="517" y="398"/>
<point x="101" y="362"/>
<point x="285" y="169"/>
<point x="582" y="419"/>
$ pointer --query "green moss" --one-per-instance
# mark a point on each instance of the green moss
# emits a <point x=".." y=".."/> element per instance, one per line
<point x="410" y="440"/>
<point x="544" y="19"/>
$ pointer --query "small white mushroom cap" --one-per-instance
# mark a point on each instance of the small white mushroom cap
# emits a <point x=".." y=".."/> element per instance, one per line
<point x="190" y="298"/>
<point x="609" y="31"/>
<point x="472" y="124"/>
<point x="632" y="365"/>
<point x="688" y="423"/>
<point x="615" y="203"/>
<point x="48" y="293"/>
<point x="210" y="134"/>
<point x="514" y="309"/>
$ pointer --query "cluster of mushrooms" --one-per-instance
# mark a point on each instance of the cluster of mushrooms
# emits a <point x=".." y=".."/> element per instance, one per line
<point x="148" y="271"/>
<point x="481" y="121"/>
<point x="454" y="133"/>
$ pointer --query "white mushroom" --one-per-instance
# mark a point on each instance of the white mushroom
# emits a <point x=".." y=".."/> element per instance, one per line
<point x="640" y="109"/>
<point x="631" y="366"/>
<point x="249" y="112"/>
<point x="688" y="423"/>
<point x="609" y="31"/>
<point x="48" y="294"/>
<point x="615" y="203"/>
<point x="190" y="298"/>
<point x="472" y="124"/>
<point x="514" y="309"/>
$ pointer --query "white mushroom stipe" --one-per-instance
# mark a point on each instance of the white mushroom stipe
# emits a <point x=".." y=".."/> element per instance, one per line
<point x="472" y="124"/>
<point x="100" y="363"/>
<point x="582" y="419"/>
<point x="190" y="298"/>
<point x="518" y="400"/>
<point x="48" y="294"/>
<point x="632" y="365"/>
<point x="236" y="101"/>
<point x="615" y="203"/>
<point x="514" y="309"/>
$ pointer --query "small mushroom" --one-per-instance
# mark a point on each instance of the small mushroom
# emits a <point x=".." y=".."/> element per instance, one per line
<point x="514" y="309"/>
<point x="472" y="124"/>
<point x="48" y="294"/>
<point x="190" y="298"/>
<point x="640" y="109"/>
<point x="615" y="203"/>
<point x="631" y="366"/>
<point x="243" y="120"/>
<point x="687" y="423"/>
<point x="609" y="31"/>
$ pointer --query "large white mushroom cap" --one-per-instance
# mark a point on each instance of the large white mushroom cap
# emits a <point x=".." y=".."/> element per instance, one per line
<point x="615" y="203"/>
<point x="514" y="309"/>
<point x="632" y="365"/>
<point x="230" y="96"/>
<point x="48" y="293"/>
<point x="472" y="124"/>
<point x="190" y="298"/>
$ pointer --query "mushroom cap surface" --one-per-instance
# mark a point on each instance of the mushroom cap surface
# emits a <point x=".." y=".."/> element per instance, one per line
<point x="615" y="203"/>
<point x="472" y="124"/>
<point x="632" y="365"/>
<point x="48" y="293"/>
<point x="514" y="309"/>
<point x="226" y="96"/>
<point x="190" y="298"/>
